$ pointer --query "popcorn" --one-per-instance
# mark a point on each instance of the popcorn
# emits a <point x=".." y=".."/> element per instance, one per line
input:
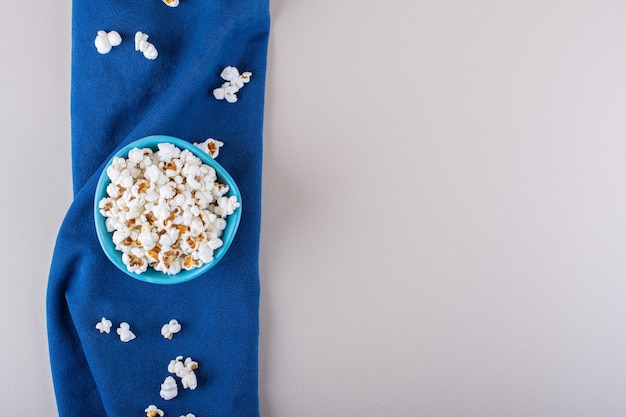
<point x="185" y="371"/>
<point x="106" y="40"/>
<point x="189" y="415"/>
<point x="168" y="262"/>
<point x="137" y="156"/>
<point x="124" y="331"/>
<point x="171" y="3"/>
<point x="166" y="209"/>
<point x="169" y="389"/>
<point x="167" y="151"/>
<point x="142" y="45"/>
<point x="104" y="325"/>
<point x="211" y="147"/>
<point x="227" y="205"/>
<point x="234" y="82"/>
<point x="135" y="260"/>
<point x="153" y="411"/>
<point x="147" y="238"/>
<point x="231" y="74"/>
<point x="226" y="92"/>
<point x="168" y="330"/>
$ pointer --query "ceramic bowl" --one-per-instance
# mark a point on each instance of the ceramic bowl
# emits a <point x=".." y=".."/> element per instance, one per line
<point x="151" y="275"/>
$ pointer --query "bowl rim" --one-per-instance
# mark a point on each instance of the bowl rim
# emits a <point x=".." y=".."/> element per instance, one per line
<point x="151" y="275"/>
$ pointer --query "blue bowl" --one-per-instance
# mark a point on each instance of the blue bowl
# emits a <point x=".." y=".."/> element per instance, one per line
<point x="151" y="275"/>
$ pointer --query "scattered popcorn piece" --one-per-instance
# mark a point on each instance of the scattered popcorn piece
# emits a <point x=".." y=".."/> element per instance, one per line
<point x="189" y="381"/>
<point x="124" y="331"/>
<point x="169" y="389"/>
<point x="211" y="147"/>
<point x="153" y="411"/>
<point x="185" y="371"/>
<point x="165" y="209"/>
<point x="219" y="93"/>
<point x="106" y="40"/>
<point x="245" y="77"/>
<point x="167" y="151"/>
<point x="226" y="92"/>
<point x="114" y="38"/>
<point x="234" y="82"/>
<point x="191" y="364"/>
<point x="189" y="415"/>
<point x="142" y="45"/>
<point x="168" y="330"/>
<point x="231" y="74"/>
<point x="104" y="325"/>
<point x="171" y="3"/>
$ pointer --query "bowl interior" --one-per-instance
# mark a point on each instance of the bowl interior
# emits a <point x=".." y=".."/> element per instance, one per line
<point x="151" y="275"/>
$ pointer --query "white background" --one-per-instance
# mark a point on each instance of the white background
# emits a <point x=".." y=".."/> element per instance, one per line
<point x="444" y="206"/>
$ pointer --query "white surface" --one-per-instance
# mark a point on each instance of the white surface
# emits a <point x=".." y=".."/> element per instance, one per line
<point x="444" y="206"/>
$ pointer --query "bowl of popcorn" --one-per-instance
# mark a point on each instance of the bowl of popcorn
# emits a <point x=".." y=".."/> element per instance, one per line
<point x="165" y="211"/>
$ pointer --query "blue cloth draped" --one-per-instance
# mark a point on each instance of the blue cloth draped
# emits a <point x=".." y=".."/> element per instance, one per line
<point x="118" y="98"/>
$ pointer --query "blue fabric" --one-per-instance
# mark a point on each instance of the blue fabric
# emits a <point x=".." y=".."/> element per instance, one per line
<point x="115" y="99"/>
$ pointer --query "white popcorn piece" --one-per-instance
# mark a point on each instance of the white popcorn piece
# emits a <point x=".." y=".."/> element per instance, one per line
<point x="169" y="389"/>
<point x="153" y="411"/>
<point x="124" y="331"/>
<point x="226" y="92"/>
<point x="142" y="45"/>
<point x="189" y="381"/>
<point x="245" y="77"/>
<point x="227" y="205"/>
<point x="170" y="329"/>
<point x="189" y="415"/>
<point x="205" y="253"/>
<point x="220" y="224"/>
<point x="104" y="325"/>
<point x="113" y="190"/>
<point x="219" y="190"/>
<point x="219" y="93"/>
<point x="154" y="175"/>
<point x="230" y="74"/>
<point x="148" y="238"/>
<point x="230" y="92"/>
<point x="176" y="365"/>
<point x="185" y="371"/>
<point x="215" y="243"/>
<point x="211" y="147"/>
<point x="234" y="82"/>
<point x="150" y="52"/>
<point x="167" y="152"/>
<point x="135" y="260"/>
<point x="137" y="155"/>
<point x="171" y="3"/>
<point x="169" y="262"/>
<point x="105" y="41"/>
